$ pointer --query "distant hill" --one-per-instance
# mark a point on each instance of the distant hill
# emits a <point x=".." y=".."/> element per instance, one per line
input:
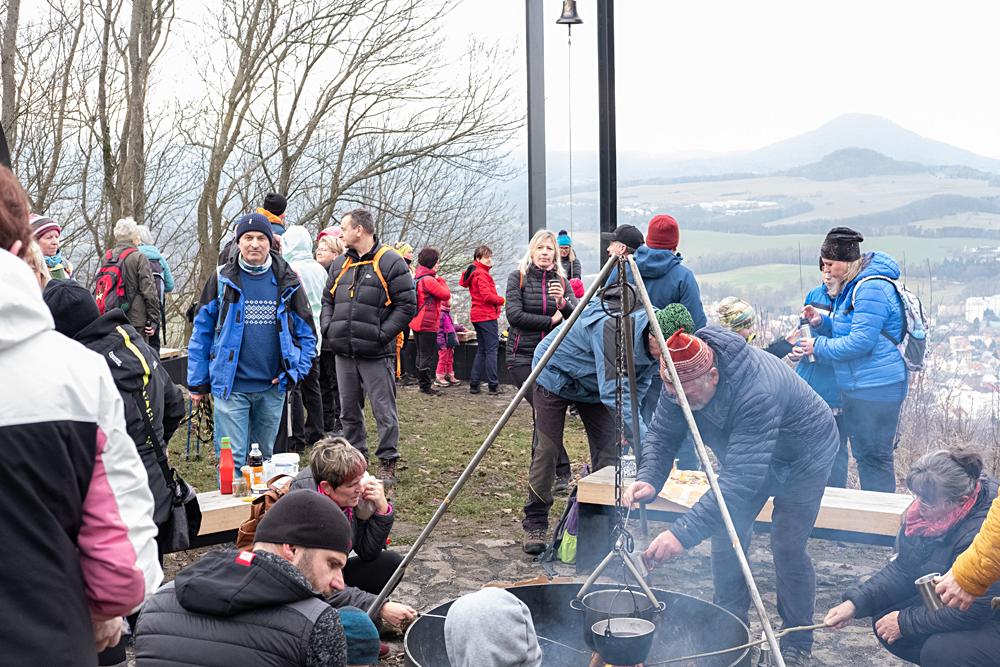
<point x="863" y="162"/>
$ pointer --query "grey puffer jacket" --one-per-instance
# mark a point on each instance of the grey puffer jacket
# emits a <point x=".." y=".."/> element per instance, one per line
<point x="764" y="422"/>
<point x="530" y="311"/>
<point x="363" y="316"/>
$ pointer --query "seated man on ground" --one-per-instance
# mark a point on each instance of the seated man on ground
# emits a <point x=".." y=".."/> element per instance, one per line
<point x="953" y="497"/>
<point x="339" y="471"/>
<point x="490" y="628"/>
<point x="257" y="607"/>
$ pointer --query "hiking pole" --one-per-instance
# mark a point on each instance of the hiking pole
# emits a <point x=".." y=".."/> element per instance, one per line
<point x="187" y="447"/>
<point x="528" y="384"/>
<point x="706" y="463"/>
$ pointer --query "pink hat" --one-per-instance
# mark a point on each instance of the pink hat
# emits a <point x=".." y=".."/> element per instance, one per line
<point x="332" y="230"/>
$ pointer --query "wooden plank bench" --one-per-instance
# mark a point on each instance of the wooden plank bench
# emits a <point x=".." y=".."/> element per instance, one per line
<point x="849" y="515"/>
<point x="221" y="516"/>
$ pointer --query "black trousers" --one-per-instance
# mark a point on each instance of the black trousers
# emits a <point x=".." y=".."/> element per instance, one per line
<point x="871" y="426"/>
<point x="427" y="357"/>
<point x="519" y="374"/>
<point x="306" y="405"/>
<point x="964" y="648"/>
<point x="371" y="576"/>
<point x="329" y="394"/>
<point x="550" y="420"/>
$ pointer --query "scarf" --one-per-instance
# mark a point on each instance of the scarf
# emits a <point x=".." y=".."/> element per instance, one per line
<point x="54" y="261"/>
<point x="917" y="525"/>
<point x="255" y="270"/>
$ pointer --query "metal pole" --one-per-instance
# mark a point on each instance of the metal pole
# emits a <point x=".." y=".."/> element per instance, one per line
<point x="628" y="323"/>
<point x="535" y="31"/>
<point x="607" y="142"/>
<point x="706" y="463"/>
<point x="488" y="442"/>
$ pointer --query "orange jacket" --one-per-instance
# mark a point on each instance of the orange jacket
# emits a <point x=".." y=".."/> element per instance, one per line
<point x="978" y="567"/>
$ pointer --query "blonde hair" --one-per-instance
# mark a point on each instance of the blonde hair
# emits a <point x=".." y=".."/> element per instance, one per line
<point x="853" y="269"/>
<point x="536" y="240"/>
<point x="335" y="461"/>
<point x="145" y="235"/>
<point x="33" y="257"/>
<point x="334" y="245"/>
<point x="126" y="231"/>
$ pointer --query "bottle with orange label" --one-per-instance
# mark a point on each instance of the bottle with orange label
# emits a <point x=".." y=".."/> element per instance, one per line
<point x="256" y="462"/>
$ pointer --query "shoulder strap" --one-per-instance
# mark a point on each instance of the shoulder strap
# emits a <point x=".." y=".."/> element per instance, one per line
<point x="902" y="303"/>
<point x="378" y="272"/>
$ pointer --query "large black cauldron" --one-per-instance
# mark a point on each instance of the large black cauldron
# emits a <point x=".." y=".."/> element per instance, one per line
<point x="687" y="626"/>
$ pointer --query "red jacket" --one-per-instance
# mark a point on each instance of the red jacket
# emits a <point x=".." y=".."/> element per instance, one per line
<point x="432" y="290"/>
<point x="486" y="303"/>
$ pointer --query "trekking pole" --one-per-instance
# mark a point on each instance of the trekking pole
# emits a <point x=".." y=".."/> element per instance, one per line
<point x="187" y="447"/>
<point x="394" y="580"/>
<point x="706" y="463"/>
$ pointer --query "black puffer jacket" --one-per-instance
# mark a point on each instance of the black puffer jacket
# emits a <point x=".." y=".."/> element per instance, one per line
<point x="571" y="268"/>
<point x="530" y="311"/>
<point x="356" y="319"/>
<point x="763" y="421"/>
<point x="892" y="586"/>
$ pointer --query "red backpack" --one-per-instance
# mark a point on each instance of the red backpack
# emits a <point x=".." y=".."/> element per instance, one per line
<point x="109" y="287"/>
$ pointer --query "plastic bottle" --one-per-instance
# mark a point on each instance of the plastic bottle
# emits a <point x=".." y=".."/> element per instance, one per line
<point x="226" y="466"/>
<point x="256" y="463"/>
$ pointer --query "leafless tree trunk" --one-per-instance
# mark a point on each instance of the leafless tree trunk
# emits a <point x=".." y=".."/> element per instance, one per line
<point x="8" y="55"/>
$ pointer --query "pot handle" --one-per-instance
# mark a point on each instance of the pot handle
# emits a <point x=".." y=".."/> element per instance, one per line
<point x="642" y="582"/>
<point x="576" y="604"/>
<point x="595" y="574"/>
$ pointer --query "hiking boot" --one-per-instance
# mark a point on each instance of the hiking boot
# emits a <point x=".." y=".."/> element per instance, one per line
<point x="441" y="382"/>
<point x="561" y="486"/>
<point x="452" y="380"/>
<point x="387" y="471"/>
<point x="474" y="389"/>
<point x="535" y="541"/>
<point x="431" y="391"/>
<point x="796" y="657"/>
<point x="496" y="391"/>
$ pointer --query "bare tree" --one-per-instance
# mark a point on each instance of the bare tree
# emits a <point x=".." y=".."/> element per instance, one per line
<point x="8" y="54"/>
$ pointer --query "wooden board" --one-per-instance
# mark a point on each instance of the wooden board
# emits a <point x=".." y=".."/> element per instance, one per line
<point x="222" y="513"/>
<point x="170" y="353"/>
<point x="851" y="510"/>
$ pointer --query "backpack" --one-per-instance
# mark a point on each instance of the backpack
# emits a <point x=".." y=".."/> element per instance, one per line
<point x="109" y="285"/>
<point x="157" y="270"/>
<point x="912" y="345"/>
<point x="348" y="263"/>
<point x="277" y="487"/>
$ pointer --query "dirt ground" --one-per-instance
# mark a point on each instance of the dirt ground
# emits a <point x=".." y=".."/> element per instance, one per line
<point x="450" y="565"/>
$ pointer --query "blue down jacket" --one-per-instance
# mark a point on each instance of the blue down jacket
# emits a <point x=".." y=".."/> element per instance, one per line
<point x="819" y="374"/>
<point x="667" y="281"/>
<point x="857" y="339"/>
<point x="584" y="368"/>
<point x="214" y="348"/>
<point x="764" y="421"/>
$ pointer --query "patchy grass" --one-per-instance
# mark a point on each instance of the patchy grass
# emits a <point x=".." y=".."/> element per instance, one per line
<point x="438" y="437"/>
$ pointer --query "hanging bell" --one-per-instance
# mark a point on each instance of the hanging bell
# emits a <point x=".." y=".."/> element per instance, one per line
<point x="569" y="16"/>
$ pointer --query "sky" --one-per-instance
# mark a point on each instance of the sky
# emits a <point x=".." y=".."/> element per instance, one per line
<point x="720" y="76"/>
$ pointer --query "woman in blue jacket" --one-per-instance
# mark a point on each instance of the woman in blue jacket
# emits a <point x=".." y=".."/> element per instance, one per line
<point x="859" y="338"/>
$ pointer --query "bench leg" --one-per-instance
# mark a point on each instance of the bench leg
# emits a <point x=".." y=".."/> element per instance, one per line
<point x="593" y="536"/>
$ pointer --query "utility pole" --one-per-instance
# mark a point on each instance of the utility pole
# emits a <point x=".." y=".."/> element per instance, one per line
<point x="607" y="142"/>
<point x="534" y="21"/>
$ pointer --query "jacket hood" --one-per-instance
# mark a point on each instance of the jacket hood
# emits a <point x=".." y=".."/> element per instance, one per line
<point x="655" y="263"/>
<point x="151" y="251"/>
<point x="23" y="314"/>
<point x="423" y="271"/>
<point x="879" y="264"/>
<point x="224" y="584"/>
<point x="296" y="244"/>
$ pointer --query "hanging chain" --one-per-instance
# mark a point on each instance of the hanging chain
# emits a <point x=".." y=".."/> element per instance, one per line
<point x="620" y="511"/>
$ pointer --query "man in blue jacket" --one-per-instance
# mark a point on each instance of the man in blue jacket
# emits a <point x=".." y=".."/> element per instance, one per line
<point x="773" y="435"/>
<point x="253" y="338"/>
<point x="582" y="372"/>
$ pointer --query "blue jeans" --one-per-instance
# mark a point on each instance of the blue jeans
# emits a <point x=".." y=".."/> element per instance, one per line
<point x="485" y="363"/>
<point x="248" y="418"/>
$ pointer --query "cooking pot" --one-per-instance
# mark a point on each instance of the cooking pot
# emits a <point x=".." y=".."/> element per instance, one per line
<point x="614" y="603"/>
<point x="623" y="641"/>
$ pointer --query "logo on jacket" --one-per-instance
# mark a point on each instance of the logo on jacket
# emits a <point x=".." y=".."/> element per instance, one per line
<point x="115" y="359"/>
<point x="245" y="558"/>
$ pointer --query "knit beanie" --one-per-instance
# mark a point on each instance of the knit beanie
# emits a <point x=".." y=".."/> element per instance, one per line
<point x="490" y="628"/>
<point x="306" y="518"/>
<point x="842" y="244"/>
<point x="663" y="233"/>
<point x="254" y="222"/>
<point x="361" y="635"/>
<point x="563" y="238"/>
<point x="40" y="224"/>
<point x="72" y="306"/>
<point x="275" y="203"/>
<point x="692" y="356"/>
<point x="675" y="317"/>
<point x="736" y="314"/>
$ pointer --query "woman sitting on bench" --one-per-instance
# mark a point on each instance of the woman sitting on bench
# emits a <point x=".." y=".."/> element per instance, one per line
<point x="952" y="499"/>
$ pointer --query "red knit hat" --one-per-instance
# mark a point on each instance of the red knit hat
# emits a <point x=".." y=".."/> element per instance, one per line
<point x="692" y="356"/>
<point x="663" y="233"/>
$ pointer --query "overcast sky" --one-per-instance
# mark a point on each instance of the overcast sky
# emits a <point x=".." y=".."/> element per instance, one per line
<point x="736" y="75"/>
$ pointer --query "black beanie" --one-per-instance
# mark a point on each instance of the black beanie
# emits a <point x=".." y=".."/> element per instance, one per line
<point x="73" y="307"/>
<point x="254" y="222"/>
<point x="306" y="518"/>
<point x="842" y="244"/>
<point x="275" y="203"/>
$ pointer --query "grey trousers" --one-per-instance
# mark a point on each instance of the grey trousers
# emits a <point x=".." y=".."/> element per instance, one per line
<point x="374" y="378"/>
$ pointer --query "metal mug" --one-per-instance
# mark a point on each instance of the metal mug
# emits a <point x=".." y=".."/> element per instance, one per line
<point x="928" y="594"/>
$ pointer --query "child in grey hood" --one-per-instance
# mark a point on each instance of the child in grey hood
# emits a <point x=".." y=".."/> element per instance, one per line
<point x="491" y="628"/>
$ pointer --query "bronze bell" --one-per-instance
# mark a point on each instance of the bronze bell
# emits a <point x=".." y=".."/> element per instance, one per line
<point x="569" y="15"/>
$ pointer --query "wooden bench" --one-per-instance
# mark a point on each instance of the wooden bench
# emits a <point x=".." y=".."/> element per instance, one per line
<point x="221" y="516"/>
<point x="849" y="515"/>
